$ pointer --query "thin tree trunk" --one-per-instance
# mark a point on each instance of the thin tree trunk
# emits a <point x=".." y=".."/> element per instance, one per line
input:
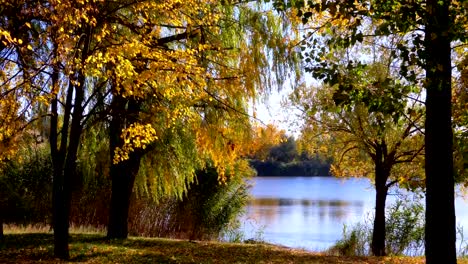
<point x="59" y="219"/>
<point x="381" y="190"/>
<point x="67" y="176"/>
<point x="64" y="173"/>
<point x="440" y="209"/>
<point x="64" y="157"/>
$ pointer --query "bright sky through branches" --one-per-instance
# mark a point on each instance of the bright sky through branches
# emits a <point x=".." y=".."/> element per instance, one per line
<point x="273" y="110"/>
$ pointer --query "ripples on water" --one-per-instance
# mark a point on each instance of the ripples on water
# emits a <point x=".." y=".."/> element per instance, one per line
<point x="310" y="212"/>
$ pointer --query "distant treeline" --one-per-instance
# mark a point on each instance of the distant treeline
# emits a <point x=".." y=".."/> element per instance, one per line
<point x="284" y="159"/>
<point x="296" y="168"/>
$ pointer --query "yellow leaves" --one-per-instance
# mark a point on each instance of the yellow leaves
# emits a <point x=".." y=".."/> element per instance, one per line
<point x="131" y="53"/>
<point x="180" y="13"/>
<point x="5" y="37"/>
<point x="137" y="136"/>
<point x="204" y="47"/>
<point x="10" y="125"/>
<point x="351" y="165"/>
<point x="264" y="138"/>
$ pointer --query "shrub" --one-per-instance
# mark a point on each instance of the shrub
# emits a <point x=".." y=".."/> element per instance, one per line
<point x="25" y="195"/>
<point x="207" y="211"/>
<point x="210" y="207"/>
<point x="404" y="232"/>
<point x="355" y="242"/>
<point x="462" y="250"/>
<point x="405" y="228"/>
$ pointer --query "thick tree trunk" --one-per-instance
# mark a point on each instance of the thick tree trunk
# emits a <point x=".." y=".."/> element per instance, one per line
<point x="440" y="208"/>
<point x="1" y="229"/>
<point x="124" y="112"/>
<point x="381" y="190"/>
<point x="123" y="177"/>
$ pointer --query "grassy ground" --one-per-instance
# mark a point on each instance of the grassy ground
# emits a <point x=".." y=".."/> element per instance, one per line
<point x="94" y="248"/>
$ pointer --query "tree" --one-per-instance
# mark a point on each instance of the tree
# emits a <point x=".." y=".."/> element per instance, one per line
<point x="149" y="66"/>
<point x="460" y="121"/>
<point x="428" y="27"/>
<point x="57" y="38"/>
<point x="210" y="67"/>
<point x="22" y="90"/>
<point x="363" y="137"/>
<point x="440" y="205"/>
<point x="264" y="139"/>
<point x="286" y="151"/>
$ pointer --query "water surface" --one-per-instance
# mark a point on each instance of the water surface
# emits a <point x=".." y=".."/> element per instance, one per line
<point x="310" y="212"/>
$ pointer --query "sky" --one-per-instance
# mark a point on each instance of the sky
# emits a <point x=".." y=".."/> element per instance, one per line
<point x="272" y="111"/>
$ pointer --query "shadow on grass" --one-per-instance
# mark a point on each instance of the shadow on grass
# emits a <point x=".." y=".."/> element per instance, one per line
<point x="95" y="248"/>
<point x="31" y="248"/>
<point x="26" y="240"/>
<point x="144" y="250"/>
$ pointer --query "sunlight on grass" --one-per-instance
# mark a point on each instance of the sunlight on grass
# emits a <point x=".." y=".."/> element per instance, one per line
<point x="23" y="229"/>
<point x="21" y="247"/>
<point x="30" y="244"/>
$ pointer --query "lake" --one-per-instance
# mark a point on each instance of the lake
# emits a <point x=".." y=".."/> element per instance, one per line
<point x="310" y="212"/>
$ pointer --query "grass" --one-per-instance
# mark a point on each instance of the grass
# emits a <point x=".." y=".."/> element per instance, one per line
<point x="31" y="247"/>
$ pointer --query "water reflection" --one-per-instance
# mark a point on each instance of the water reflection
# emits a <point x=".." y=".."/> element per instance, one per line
<point x="268" y="208"/>
<point x="303" y="202"/>
<point x="305" y="212"/>
<point x="311" y="212"/>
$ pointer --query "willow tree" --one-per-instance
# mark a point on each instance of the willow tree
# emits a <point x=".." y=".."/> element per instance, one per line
<point x="171" y="64"/>
<point x="209" y="88"/>
<point x="368" y="129"/>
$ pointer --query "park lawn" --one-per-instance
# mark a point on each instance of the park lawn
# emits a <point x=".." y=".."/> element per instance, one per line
<point x="95" y="248"/>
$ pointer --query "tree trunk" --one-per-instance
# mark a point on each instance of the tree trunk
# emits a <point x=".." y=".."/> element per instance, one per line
<point x="59" y="212"/>
<point x="440" y="209"/>
<point x="1" y="229"/>
<point x="381" y="190"/>
<point x="124" y="112"/>
<point x="123" y="177"/>
<point x="64" y="176"/>
<point x="64" y="157"/>
<point x="60" y="217"/>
